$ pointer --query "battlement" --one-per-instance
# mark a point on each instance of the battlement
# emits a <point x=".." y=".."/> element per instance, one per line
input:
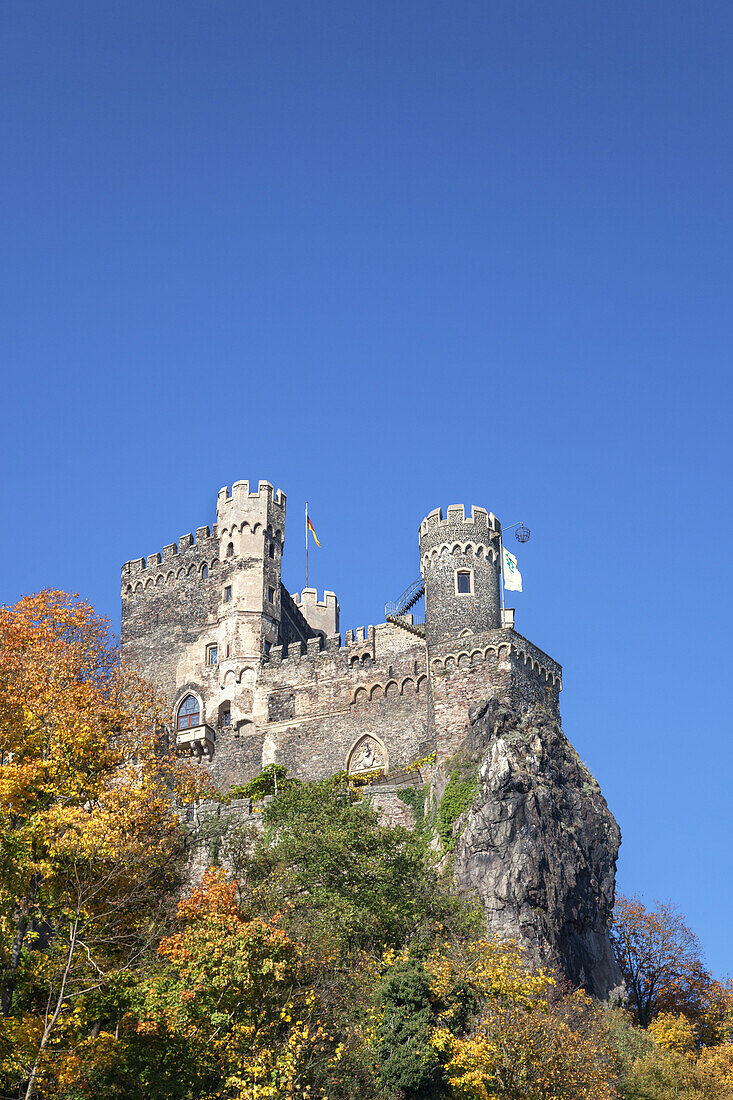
<point x="171" y="556"/>
<point x="309" y="598"/>
<point x="478" y="521"/>
<point x="241" y="497"/>
<point x="321" y="615"/>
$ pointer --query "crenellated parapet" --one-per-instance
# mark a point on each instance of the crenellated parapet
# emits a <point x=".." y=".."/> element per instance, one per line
<point x="321" y="615"/>
<point x="480" y="524"/>
<point x="503" y="646"/>
<point x="191" y="557"/>
<point x="238" y="511"/>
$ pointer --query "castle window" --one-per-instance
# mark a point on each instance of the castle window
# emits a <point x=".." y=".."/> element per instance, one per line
<point x="270" y="595"/>
<point x="464" y="582"/>
<point x="204" y="572"/>
<point x="271" y="550"/>
<point x="188" y="713"/>
<point x="227" y="593"/>
<point x="230" y="550"/>
<point x="212" y="654"/>
<point x="226" y="717"/>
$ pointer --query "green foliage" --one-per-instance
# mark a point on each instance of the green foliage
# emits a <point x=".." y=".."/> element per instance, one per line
<point x="459" y="793"/>
<point x="272" y="780"/>
<point x="341" y="879"/>
<point x="408" y="1064"/>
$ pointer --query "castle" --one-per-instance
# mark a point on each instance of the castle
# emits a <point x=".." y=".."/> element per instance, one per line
<point x="257" y="675"/>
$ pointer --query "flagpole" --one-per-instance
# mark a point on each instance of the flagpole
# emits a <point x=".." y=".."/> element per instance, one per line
<point x="501" y="561"/>
<point x="306" y="544"/>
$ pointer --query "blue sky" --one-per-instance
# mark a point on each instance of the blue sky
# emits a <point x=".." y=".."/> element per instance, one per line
<point x="391" y="256"/>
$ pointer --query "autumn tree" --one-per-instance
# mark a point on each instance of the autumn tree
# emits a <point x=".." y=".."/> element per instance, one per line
<point x="519" y="1040"/>
<point x="660" y="959"/>
<point x="90" y="845"/>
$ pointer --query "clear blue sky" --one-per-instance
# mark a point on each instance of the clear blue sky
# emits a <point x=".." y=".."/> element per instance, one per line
<point x="391" y="256"/>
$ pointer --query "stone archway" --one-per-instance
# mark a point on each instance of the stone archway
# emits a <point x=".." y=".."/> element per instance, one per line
<point x="367" y="757"/>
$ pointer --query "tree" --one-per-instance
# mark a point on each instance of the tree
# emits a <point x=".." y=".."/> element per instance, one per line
<point x="234" y="1002"/>
<point x="408" y="1063"/>
<point x="90" y="845"/>
<point x="660" y="959"/>
<point x="519" y="1043"/>
<point x="342" y="882"/>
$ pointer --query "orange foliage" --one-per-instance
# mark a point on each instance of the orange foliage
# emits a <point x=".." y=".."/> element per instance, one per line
<point x="661" y="962"/>
<point x="88" y="833"/>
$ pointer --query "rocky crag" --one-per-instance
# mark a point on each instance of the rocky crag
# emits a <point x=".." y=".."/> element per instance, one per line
<point x="537" y="844"/>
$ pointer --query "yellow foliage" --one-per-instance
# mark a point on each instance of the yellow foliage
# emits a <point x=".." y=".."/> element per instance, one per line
<point x="673" y="1031"/>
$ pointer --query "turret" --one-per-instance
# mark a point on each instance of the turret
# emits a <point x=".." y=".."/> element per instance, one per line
<point x="321" y="615"/>
<point x="459" y="561"/>
<point x="251" y="529"/>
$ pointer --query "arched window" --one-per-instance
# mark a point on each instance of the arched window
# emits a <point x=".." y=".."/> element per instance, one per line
<point x="230" y="549"/>
<point x="189" y="713"/>
<point x="204" y="572"/>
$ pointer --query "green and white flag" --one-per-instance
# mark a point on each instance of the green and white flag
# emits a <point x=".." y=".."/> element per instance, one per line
<point x="512" y="576"/>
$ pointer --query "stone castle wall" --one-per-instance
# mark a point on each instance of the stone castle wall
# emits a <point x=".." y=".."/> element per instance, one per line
<point x="280" y="689"/>
<point x="168" y="599"/>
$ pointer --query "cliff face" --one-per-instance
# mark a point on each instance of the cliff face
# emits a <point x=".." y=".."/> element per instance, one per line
<point x="538" y="845"/>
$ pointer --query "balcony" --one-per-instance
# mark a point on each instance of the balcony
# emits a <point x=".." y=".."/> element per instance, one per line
<point x="196" y="741"/>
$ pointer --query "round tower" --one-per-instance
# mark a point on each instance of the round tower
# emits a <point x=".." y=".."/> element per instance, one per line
<point x="459" y="561"/>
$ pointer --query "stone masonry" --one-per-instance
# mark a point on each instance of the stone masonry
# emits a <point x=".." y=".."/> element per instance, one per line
<point x="255" y="675"/>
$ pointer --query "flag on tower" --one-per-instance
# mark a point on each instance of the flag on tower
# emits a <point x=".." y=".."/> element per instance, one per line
<point x="512" y="576"/>
<point x="315" y="537"/>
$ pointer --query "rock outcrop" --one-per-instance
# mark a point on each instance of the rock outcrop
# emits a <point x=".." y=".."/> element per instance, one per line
<point x="538" y="844"/>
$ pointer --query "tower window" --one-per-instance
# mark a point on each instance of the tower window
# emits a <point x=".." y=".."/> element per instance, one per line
<point x="189" y="713"/>
<point x="463" y="582"/>
<point x="226" y="717"/>
<point x="227" y="593"/>
<point x="230" y="550"/>
<point x="204" y="572"/>
<point x="271" y="550"/>
<point x="212" y="654"/>
<point x="270" y="595"/>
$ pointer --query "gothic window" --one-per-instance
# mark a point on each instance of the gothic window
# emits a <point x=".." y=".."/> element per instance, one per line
<point x="463" y="582"/>
<point x="230" y="550"/>
<point x="189" y="713"/>
<point x="204" y="572"/>
<point x="271" y="550"/>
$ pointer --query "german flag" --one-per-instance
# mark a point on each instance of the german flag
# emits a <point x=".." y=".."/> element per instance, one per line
<point x="315" y="537"/>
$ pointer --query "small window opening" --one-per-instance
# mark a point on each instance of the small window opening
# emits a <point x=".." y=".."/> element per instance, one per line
<point x="226" y="717"/>
<point x="270" y="595"/>
<point x="271" y="550"/>
<point x="464" y="583"/>
<point x="188" y="713"/>
<point x="212" y="655"/>
<point x="230" y="550"/>
<point x="227" y="593"/>
<point x="204" y="572"/>
<point x="227" y="649"/>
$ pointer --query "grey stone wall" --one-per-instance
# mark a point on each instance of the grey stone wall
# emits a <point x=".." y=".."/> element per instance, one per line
<point x="167" y="604"/>
<point x="278" y="692"/>
<point x="450" y="545"/>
